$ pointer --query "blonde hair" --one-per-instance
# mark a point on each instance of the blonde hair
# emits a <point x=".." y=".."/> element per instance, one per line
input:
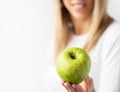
<point x="100" y="21"/>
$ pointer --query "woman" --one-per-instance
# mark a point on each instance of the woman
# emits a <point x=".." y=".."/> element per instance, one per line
<point x="86" y="24"/>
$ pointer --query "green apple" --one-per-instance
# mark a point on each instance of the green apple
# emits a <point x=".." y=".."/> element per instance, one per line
<point x="73" y="65"/>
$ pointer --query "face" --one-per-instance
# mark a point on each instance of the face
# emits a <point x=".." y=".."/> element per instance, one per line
<point x="79" y="9"/>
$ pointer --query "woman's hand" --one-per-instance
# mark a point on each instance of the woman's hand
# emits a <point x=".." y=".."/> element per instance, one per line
<point x="86" y="86"/>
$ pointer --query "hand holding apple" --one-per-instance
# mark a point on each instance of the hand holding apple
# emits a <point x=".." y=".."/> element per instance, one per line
<point x="73" y="65"/>
<point x="85" y="86"/>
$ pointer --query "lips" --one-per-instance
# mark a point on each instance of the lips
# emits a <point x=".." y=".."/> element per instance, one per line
<point x="79" y="6"/>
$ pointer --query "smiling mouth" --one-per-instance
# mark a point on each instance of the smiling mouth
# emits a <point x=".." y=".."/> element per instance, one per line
<point x="79" y="6"/>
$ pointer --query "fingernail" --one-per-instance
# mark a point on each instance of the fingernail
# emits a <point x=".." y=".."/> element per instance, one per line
<point x="62" y="82"/>
<point x="73" y="85"/>
<point x="66" y="84"/>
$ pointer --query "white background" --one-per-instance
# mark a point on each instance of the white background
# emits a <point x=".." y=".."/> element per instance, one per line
<point x="25" y="28"/>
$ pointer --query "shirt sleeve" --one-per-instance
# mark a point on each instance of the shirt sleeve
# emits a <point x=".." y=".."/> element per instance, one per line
<point x="110" y="69"/>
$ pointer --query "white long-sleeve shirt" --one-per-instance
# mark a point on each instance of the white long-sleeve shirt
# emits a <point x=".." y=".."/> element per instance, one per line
<point x="105" y="60"/>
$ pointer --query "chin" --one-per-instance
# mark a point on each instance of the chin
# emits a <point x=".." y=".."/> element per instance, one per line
<point x="79" y="16"/>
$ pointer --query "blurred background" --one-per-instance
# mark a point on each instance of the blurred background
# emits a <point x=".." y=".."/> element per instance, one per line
<point x="25" y="30"/>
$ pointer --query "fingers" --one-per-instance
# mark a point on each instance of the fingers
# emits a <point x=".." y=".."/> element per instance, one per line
<point x="68" y="86"/>
<point x="89" y="80"/>
<point x="90" y="84"/>
<point x="72" y="87"/>
<point x="86" y="86"/>
<point x="78" y="88"/>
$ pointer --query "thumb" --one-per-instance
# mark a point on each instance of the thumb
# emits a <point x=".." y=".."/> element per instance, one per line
<point x="84" y="85"/>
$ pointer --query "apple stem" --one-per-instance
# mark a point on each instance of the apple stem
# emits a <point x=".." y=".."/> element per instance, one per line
<point x="72" y="56"/>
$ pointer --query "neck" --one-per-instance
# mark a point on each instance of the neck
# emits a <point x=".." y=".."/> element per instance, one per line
<point x="81" y="26"/>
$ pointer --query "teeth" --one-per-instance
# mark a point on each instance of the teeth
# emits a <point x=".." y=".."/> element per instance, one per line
<point x="79" y="5"/>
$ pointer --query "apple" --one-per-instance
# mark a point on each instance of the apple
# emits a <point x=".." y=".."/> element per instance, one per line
<point x="73" y="65"/>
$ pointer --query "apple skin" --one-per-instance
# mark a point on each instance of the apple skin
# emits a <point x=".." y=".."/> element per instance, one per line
<point x="73" y="65"/>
